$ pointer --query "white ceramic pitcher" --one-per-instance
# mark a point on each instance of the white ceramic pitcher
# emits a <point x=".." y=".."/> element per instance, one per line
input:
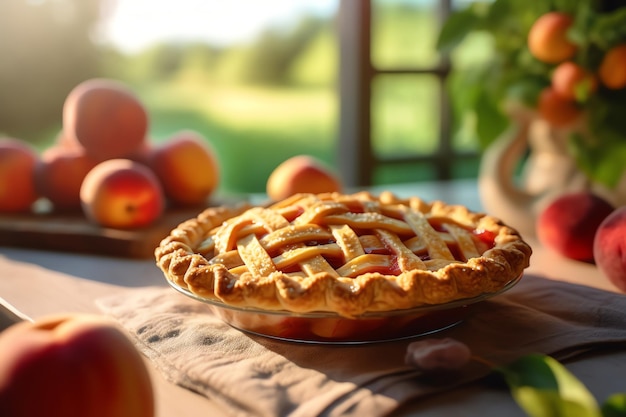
<point x="528" y="166"/>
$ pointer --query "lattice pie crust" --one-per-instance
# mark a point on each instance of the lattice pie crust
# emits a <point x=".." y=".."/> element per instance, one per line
<point x="349" y="254"/>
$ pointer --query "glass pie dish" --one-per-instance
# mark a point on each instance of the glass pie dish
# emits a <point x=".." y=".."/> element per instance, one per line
<point x="331" y="328"/>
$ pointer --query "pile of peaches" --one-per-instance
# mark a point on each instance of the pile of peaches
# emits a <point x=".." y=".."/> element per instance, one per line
<point x="571" y="83"/>
<point x="103" y="164"/>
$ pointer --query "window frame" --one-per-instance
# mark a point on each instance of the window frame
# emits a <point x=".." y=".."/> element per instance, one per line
<point x="356" y="75"/>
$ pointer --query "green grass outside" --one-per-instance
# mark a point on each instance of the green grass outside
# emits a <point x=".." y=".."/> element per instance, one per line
<point x="252" y="129"/>
<point x="255" y="129"/>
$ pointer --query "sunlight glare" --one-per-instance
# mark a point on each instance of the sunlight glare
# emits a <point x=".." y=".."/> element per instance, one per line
<point x="136" y="24"/>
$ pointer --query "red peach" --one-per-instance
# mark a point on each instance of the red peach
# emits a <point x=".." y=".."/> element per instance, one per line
<point x="557" y="110"/>
<point x="568" y="224"/>
<point x="66" y="141"/>
<point x="59" y="175"/>
<point x="573" y="82"/>
<point x="187" y="167"/>
<point x="106" y="118"/>
<point x="71" y="366"/>
<point x="17" y="166"/>
<point x="301" y="174"/>
<point x="143" y="154"/>
<point x="612" y="71"/>
<point x="547" y="38"/>
<point x="121" y="193"/>
<point x="609" y="247"/>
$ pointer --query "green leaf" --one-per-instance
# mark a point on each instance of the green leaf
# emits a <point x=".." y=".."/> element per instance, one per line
<point x="542" y="387"/>
<point x="602" y="154"/>
<point x="490" y="121"/>
<point x="526" y="90"/>
<point x="465" y="87"/>
<point x="499" y="11"/>
<point x="584" y="17"/>
<point x="609" y="167"/>
<point x="614" y="406"/>
<point x="456" y="27"/>
<point x="609" y="29"/>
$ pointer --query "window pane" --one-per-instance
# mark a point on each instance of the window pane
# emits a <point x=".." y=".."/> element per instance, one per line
<point x="405" y="115"/>
<point x="472" y="53"/>
<point x="404" y="33"/>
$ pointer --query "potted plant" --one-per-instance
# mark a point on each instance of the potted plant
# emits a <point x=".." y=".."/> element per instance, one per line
<point x="552" y="94"/>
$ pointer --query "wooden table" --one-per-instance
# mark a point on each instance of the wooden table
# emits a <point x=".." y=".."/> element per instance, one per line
<point x="39" y="282"/>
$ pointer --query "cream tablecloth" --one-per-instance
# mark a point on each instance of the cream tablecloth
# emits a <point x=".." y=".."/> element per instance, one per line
<point x="250" y="375"/>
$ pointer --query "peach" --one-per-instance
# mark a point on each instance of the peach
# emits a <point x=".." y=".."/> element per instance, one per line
<point x="143" y="154"/>
<point x="66" y="141"/>
<point x="609" y="247"/>
<point x="106" y="118"/>
<point x="547" y="38"/>
<point x="72" y="365"/>
<point x="121" y="193"/>
<point x="568" y="224"/>
<point x="59" y="175"/>
<point x="187" y="167"/>
<point x="301" y="174"/>
<point x="573" y="82"/>
<point x="557" y="110"/>
<point x="612" y="71"/>
<point x="17" y="166"/>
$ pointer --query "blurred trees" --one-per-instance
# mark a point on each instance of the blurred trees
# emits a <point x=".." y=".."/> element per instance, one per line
<point x="270" y="59"/>
<point x="275" y="52"/>
<point x="45" y="49"/>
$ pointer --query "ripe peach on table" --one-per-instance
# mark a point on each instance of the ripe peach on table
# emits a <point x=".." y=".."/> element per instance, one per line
<point x="143" y="153"/>
<point x="187" y="167"/>
<point x="66" y="141"/>
<point x="121" y="193"/>
<point x="301" y="174"/>
<point x="70" y="366"/>
<point x="568" y="224"/>
<point x="106" y="118"/>
<point x="609" y="247"/>
<point x="59" y="174"/>
<point x="17" y="166"/>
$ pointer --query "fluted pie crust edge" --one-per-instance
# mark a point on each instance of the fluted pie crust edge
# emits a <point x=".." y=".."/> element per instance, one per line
<point x="183" y="258"/>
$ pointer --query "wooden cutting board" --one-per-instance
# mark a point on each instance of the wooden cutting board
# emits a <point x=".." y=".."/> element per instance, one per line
<point x="74" y="233"/>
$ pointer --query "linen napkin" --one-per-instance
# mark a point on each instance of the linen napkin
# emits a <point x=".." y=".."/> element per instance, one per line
<point x="253" y="375"/>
